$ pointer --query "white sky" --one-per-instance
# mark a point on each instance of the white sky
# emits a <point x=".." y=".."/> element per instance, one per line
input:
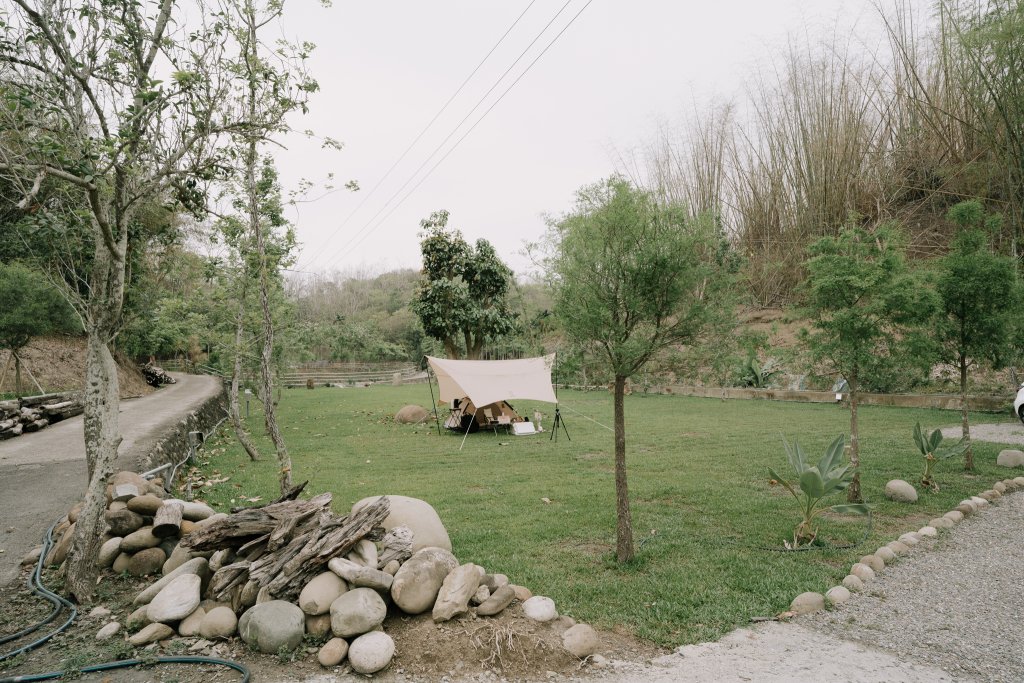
<point x="621" y="70"/>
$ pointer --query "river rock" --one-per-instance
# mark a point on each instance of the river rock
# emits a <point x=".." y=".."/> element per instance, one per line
<point x="151" y="634"/>
<point x="991" y="495"/>
<point x="317" y="595"/>
<point x="333" y="651"/>
<point x="481" y="595"/>
<point x="197" y="566"/>
<point x="59" y="553"/>
<point x="358" y="611"/>
<point x="999" y="487"/>
<point x="928" y="532"/>
<point x="75" y="510"/>
<point x="318" y="626"/>
<point x="392" y="567"/>
<point x="853" y="583"/>
<point x="885" y="554"/>
<point x="876" y="563"/>
<point x="862" y="572"/>
<point x="146" y="505"/>
<point x="140" y="540"/>
<point x="910" y="538"/>
<point x="419" y="516"/>
<point x="146" y="562"/>
<point x="540" y="608"/>
<point x="941" y="523"/>
<point x="364" y="553"/>
<point x="128" y="477"/>
<point x="179" y="556"/>
<point x="980" y="502"/>
<point x="808" y="602"/>
<point x="220" y="622"/>
<point x="176" y="600"/>
<point x="121" y="563"/>
<point x="194" y="511"/>
<point x="418" y="581"/>
<point x="124" y="492"/>
<point x="954" y="516"/>
<point x="898" y="547"/>
<point x="32" y="556"/>
<point x="456" y="590"/>
<point x="494" y="581"/>
<point x="358" y="575"/>
<point x="1010" y="458"/>
<point x="1019" y="481"/>
<point x="108" y="631"/>
<point x="581" y="640"/>
<point x="411" y="415"/>
<point x="837" y="595"/>
<point x="497" y="602"/>
<point x="900" y="491"/>
<point x="189" y="626"/>
<point x="371" y="652"/>
<point x="108" y="552"/>
<point x="273" y="625"/>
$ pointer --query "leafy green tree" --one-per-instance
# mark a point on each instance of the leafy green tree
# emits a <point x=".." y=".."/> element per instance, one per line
<point x="865" y="306"/>
<point x="978" y="290"/>
<point x="463" y="297"/>
<point x="632" y="277"/>
<point x="33" y="308"/>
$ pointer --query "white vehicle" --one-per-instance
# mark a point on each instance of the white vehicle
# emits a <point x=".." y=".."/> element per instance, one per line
<point x="1018" y="403"/>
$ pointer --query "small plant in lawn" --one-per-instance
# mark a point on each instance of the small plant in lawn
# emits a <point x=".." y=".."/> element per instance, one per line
<point x="816" y="482"/>
<point x="929" y="445"/>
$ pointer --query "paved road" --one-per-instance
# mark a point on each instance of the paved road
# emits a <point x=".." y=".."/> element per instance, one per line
<point x="43" y="474"/>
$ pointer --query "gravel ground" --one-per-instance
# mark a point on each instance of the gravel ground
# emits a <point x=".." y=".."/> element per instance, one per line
<point x="957" y="606"/>
<point x="1004" y="432"/>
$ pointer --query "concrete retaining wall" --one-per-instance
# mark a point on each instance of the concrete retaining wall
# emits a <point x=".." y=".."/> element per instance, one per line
<point x="173" y="445"/>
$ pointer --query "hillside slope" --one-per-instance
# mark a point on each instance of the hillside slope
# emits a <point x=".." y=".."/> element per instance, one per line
<point x="58" y="364"/>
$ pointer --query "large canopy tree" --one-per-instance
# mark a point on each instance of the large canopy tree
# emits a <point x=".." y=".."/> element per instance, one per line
<point x="631" y="277"/>
<point x="463" y="298"/>
<point x="864" y="304"/>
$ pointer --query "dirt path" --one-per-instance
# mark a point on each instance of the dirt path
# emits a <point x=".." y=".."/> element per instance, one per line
<point x="1003" y="432"/>
<point x="42" y="474"/>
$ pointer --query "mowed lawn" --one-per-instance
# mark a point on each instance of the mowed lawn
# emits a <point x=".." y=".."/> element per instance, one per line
<point x="708" y="526"/>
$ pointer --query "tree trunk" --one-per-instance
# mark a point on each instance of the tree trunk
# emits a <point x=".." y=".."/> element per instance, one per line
<point x="966" y="424"/>
<point x="17" y="373"/>
<point x="101" y="401"/>
<point x="853" y="493"/>
<point x="624" y="520"/>
<point x="256" y="226"/>
<point x="236" y="418"/>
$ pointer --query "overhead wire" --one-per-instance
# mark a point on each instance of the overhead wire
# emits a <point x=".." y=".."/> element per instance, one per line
<point x="364" y="231"/>
<point x="430" y="123"/>
<point x="360" y="235"/>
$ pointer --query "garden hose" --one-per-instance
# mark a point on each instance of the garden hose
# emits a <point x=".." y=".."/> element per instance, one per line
<point x="35" y="584"/>
<point x="125" y="663"/>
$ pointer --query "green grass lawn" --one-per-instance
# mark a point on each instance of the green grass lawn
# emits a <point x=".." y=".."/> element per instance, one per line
<point x="705" y="518"/>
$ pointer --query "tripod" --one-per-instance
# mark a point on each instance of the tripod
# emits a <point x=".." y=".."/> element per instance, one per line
<point x="558" y="422"/>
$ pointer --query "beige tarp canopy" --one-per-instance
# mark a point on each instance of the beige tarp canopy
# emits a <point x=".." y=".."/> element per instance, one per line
<point x="489" y="381"/>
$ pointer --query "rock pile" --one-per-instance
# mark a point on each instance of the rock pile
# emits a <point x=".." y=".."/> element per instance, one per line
<point x="275" y="574"/>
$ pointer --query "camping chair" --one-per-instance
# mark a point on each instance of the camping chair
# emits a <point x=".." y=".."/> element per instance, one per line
<point x="491" y="422"/>
<point x="505" y="421"/>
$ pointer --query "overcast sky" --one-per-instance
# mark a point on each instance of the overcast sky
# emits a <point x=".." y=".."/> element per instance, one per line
<point x="616" y="74"/>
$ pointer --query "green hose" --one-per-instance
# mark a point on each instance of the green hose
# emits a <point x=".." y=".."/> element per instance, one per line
<point x="35" y="584"/>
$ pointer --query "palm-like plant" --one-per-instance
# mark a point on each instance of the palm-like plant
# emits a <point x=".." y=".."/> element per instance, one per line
<point x="929" y="445"/>
<point x="815" y="483"/>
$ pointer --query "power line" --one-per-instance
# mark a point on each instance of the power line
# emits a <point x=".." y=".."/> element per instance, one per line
<point x="456" y="128"/>
<point x="425" y="128"/>
<point x="457" y="142"/>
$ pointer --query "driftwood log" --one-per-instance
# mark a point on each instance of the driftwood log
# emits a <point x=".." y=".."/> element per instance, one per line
<point x="167" y="520"/>
<point x="282" y="546"/>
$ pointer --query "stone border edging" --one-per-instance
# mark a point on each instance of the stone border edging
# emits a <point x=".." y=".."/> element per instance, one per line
<point x="863" y="571"/>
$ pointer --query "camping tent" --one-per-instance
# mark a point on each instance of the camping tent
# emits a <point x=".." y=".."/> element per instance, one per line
<point x="489" y="383"/>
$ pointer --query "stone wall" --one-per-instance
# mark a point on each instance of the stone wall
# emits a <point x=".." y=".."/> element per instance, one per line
<point x="172" y="446"/>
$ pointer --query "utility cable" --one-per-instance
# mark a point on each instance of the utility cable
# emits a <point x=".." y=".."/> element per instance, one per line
<point x="440" y="111"/>
<point x="356" y="240"/>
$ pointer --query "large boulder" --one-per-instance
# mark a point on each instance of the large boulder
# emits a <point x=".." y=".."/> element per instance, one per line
<point x="419" y="580"/>
<point x="371" y="652"/>
<point x="1010" y="458"/>
<point x="411" y="415"/>
<point x="418" y="515"/>
<point x="900" y="491"/>
<point x="356" y="612"/>
<point x="272" y="626"/>
<point x="316" y="597"/>
<point x="456" y="590"/>
<point x="176" y="600"/>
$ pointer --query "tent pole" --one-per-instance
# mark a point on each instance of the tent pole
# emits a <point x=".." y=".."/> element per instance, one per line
<point x="433" y="403"/>
<point x="468" y="428"/>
